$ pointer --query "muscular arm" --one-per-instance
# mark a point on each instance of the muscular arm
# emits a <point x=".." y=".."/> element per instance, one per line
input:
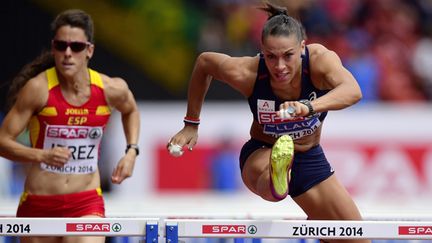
<point x="30" y="100"/>
<point x="328" y="72"/>
<point x="238" y="72"/>
<point x="121" y="98"/>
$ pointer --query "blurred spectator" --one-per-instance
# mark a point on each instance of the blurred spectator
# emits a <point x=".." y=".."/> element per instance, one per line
<point x="363" y="64"/>
<point x="384" y="43"/>
<point x="387" y="45"/>
<point x="422" y="62"/>
<point x="225" y="169"/>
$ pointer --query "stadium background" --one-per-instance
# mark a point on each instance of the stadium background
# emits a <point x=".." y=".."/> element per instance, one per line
<point x="380" y="148"/>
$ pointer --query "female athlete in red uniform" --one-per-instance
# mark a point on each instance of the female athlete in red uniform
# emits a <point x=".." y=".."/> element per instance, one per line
<point x="66" y="106"/>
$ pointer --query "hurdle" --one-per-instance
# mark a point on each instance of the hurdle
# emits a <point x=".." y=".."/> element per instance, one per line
<point x="296" y="229"/>
<point x="171" y="230"/>
<point x="144" y="227"/>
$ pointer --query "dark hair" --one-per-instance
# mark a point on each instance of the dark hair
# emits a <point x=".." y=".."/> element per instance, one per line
<point x="280" y="23"/>
<point x="72" y="17"/>
<point x="44" y="61"/>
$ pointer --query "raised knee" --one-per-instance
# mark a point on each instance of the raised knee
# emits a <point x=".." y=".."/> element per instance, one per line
<point x="269" y="197"/>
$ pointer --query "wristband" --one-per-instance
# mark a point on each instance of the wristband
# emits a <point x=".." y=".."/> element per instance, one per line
<point x="132" y="146"/>
<point x="191" y="121"/>
<point x="309" y="106"/>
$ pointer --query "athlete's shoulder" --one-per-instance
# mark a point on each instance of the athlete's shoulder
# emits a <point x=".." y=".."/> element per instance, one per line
<point x="116" y="89"/>
<point x="34" y="93"/>
<point x="113" y="82"/>
<point x="321" y="55"/>
<point x="317" y="50"/>
<point x="38" y="82"/>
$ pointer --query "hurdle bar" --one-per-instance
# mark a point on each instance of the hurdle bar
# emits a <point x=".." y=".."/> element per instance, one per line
<point x="296" y="229"/>
<point x="146" y="227"/>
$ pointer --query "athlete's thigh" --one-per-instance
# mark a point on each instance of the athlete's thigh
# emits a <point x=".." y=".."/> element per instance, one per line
<point x="256" y="164"/>
<point x="328" y="200"/>
<point x="41" y="239"/>
<point x="84" y="239"/>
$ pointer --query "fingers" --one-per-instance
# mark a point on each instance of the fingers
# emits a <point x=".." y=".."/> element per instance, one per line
<point x="115" y="177"/>
<point x="287" y="110"/>
<point x="287" y="113"/>
<point x="292" y="109"/>
<point x="191" y="144"/>
<point x="119" y="175"/>
<point x="186" y="137"/>
<point x="58" y="156"/>
<point x="171" y="145"/>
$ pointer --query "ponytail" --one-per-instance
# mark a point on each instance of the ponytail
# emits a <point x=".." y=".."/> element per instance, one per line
<point x="279" y="23"/>
<point x="44" y="61"/>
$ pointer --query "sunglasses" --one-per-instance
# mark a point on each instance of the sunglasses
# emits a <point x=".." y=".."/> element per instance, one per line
<point x="75" y="46"/>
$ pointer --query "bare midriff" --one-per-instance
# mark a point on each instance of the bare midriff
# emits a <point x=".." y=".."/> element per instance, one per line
<point x="42" y="182"/>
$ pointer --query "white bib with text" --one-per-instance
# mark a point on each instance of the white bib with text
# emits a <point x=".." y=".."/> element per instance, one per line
<point x="82" y="141"/>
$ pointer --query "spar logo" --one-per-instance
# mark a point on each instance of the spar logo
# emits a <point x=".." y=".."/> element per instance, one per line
<point x="252" y="229"/>
<point x="67" y="132"/>
<point x="88" y="227"/>
<point x="415" y="230"/>
<point x="224" y="229"/>
<point x="74" y="132"/>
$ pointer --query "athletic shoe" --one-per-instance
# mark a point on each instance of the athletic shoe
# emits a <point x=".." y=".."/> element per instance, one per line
<point x="281" y="158"/>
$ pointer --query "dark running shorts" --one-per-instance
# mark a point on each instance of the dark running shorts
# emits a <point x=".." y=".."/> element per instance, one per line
<point x="68" y="205"/>
<point x="309" y="168"/>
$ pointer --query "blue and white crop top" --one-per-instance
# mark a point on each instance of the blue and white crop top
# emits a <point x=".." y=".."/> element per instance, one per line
<point x="263" y="104"/>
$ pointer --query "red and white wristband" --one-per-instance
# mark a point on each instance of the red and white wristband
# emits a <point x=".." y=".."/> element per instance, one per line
<point x="191" y="121"/>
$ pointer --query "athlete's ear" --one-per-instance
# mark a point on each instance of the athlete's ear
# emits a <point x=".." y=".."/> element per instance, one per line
<point x="90" y="51"/>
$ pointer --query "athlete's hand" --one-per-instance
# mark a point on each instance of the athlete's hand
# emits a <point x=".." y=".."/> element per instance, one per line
<point x="292" y="109"/>
<point x="57" y="156"/>
<point x="188" y="136"/>
<point x="124" y="168"/>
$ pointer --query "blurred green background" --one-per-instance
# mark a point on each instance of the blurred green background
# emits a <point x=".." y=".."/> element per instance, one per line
<point x="153" y="44"/>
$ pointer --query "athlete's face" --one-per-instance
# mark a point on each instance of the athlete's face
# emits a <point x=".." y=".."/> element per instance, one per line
<point x="71" y="50"/>
<point x="282" y="55"/>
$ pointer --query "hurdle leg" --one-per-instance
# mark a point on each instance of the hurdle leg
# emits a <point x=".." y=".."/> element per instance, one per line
<point x="171" y="232"/>
<point x="151" y="233"/>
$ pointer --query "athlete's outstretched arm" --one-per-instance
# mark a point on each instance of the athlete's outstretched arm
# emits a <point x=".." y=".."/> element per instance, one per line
<point x="121" y="98"/>
<point x="238" y="72"/>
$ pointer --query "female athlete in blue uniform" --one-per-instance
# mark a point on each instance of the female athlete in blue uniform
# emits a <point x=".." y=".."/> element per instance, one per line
<point x="290" y="86"/>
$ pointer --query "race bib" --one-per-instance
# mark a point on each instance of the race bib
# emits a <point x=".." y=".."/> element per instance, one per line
<point x="275" y="126"/>
<point x="296" y="129"/>
<point x="82" y="141"/>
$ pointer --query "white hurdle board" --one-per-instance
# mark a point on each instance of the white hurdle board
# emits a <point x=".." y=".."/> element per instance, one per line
<point x="77" y="226"/>
<point x="300" y="229"/>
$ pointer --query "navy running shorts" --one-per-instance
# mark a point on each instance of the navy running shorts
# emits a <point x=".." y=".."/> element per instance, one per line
<point x="309" y="168"/>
